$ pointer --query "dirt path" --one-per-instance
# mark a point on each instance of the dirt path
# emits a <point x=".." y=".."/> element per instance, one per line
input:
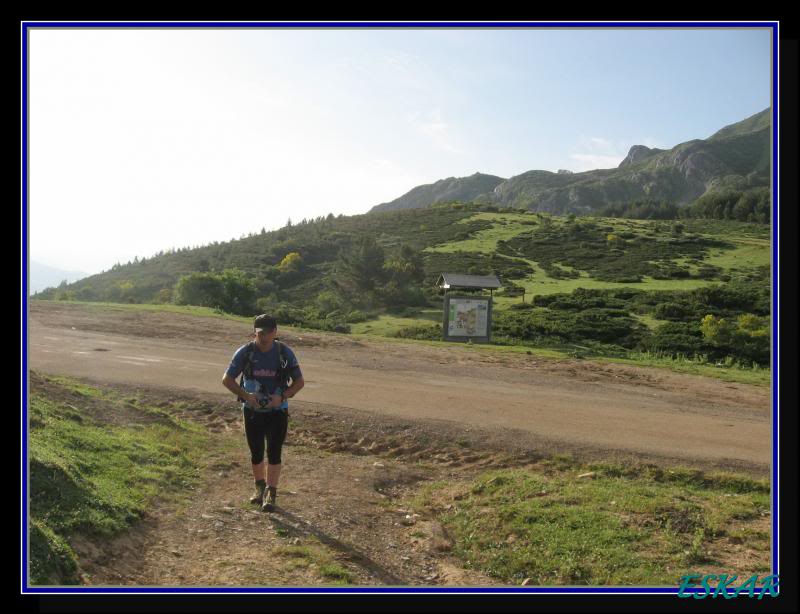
<point x="529" y="403"/>
<point x="342" y="511"/>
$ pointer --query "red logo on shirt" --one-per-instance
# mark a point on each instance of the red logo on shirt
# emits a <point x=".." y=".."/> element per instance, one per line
<point x="264" y="373"/>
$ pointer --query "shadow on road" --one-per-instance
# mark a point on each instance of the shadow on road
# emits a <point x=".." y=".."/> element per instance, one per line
<point x="290" y="523"/>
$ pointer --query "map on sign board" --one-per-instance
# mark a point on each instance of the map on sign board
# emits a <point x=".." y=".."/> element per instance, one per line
<point x="468" y="317"/>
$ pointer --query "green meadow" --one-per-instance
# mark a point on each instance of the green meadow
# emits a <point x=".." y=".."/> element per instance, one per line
<point x="749" y="249"/>
<point x="561" y="523"/>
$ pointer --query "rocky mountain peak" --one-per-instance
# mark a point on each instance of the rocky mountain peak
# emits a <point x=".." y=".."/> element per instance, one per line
<point x="636" y="154"/>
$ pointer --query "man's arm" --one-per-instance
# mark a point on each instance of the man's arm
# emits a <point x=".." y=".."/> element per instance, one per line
<point x="292" y="390"/>
<point x="231" y="384"/>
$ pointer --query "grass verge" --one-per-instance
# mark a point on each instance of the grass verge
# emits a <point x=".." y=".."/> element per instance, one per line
<point x="756" y="376"/>
<point x="96" y="463"/>
<point x="206" y="312"/>
<point x="615" y="525"/>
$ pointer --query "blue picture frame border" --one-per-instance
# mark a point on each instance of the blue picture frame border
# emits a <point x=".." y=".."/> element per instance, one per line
<point x="26" y="26"/>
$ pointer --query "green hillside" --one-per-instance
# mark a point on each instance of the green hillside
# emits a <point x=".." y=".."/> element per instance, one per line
<point x="319" y="242"/>
<point x="688" y="289"/>
<point x="754" y="123"/>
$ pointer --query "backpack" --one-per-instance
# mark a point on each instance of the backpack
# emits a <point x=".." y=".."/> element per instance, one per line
<point x="283" y="366"/>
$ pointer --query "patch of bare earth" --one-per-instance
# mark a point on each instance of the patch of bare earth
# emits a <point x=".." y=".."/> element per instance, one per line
<point x="733" y="555"/>
<point x="164" y="325"/>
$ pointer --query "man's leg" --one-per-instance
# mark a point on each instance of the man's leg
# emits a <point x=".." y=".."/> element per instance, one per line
<point x="271" y="494"/>
<point x="254" y="430"/>
<point x="261" y="484"/>
<point x="276" y="434"/>
<point x="273" y="474"/>
<point x="258" y="471"/>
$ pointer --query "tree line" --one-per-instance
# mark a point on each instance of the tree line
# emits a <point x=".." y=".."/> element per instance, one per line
<point x="752" y="205"/>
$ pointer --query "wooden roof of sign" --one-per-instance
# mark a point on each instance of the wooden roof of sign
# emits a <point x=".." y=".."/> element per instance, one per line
<point x="456" y="280"/>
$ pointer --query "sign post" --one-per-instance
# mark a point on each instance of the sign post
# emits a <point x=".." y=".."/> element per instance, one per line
<point x="467" y="318"/>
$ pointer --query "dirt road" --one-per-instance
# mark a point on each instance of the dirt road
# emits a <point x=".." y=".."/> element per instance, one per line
<point x="577" y="406"/>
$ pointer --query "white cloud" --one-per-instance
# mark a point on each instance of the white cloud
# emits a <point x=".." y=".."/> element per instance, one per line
<point x="601" y="143"/>
<point x="435" y="129"/>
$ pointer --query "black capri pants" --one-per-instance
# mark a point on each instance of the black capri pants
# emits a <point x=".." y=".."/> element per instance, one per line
<point x="270" y="426"/>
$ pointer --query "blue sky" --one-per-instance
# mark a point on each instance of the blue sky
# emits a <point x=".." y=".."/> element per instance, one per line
<point x="142" y="140"/>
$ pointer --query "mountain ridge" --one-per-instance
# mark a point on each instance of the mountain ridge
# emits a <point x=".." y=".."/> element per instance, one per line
<point x="45" y="276"/>
<point x="735" y="157"/>
<point x="452" y="188"/>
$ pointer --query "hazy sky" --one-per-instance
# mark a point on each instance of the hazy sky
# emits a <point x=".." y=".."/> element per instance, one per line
<point x="141" y="140"/>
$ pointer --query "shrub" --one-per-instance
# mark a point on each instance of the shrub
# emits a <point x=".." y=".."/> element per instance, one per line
<point x="673" y="311"/>
<point x="512" y="289"/>
<point x="292" y="262"/>
<point x="676" y="338"/>
<point x="231" y="291"/>
<point x="544" y="326"/>
<point x="746" y="338"/>
<point x="164" y="295"/>
<point x="356" y="316"/>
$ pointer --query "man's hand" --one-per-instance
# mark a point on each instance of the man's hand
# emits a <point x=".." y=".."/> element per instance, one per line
<point x="250" y="399"/>
<point x="275" y="401"/>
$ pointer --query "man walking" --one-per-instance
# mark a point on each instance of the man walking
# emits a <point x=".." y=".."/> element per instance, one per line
<point x="267" y="366"/>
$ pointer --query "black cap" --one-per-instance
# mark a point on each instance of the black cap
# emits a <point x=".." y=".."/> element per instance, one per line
<point x="265" y="323"/>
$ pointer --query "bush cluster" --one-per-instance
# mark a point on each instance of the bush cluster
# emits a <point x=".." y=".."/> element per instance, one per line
<point x="586" y="245"/>
<point x="718" y="322"/>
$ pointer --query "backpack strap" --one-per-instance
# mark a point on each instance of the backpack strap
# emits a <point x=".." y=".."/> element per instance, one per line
<point x="248" y="360"/>
<point x="283" y="366"/>
<point x="248" y="365"/>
